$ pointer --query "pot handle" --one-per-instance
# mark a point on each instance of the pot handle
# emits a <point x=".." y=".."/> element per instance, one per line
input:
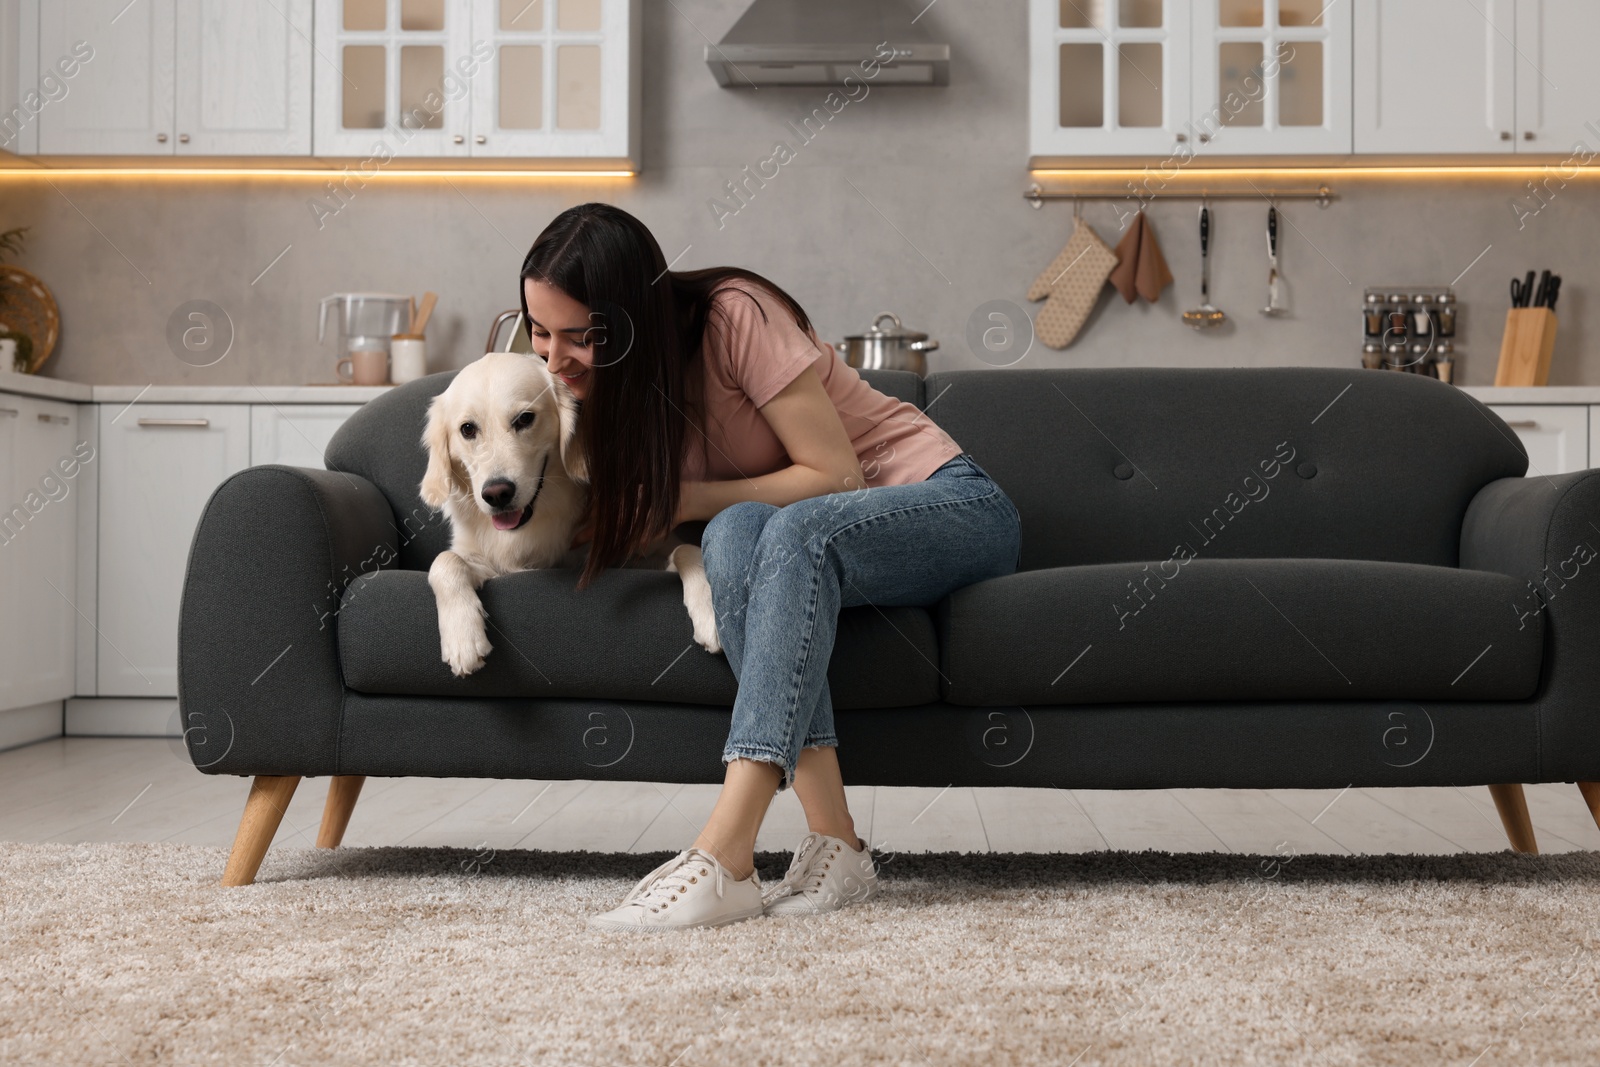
<point x="922" y="346"/>
<point x="891" y="316"/>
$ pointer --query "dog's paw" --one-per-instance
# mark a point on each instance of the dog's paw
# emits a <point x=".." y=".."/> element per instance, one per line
<point x="463" y="645"/>
<point x="705" y="631"/>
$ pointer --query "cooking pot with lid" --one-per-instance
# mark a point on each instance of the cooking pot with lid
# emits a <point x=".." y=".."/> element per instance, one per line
<point x="892" y="348"/>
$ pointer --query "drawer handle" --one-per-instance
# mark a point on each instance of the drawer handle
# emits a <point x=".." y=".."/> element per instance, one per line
<point x="13" y="412"/>
<point x="1523" y="424"/>
<point x="46" y="417"/>
<point x="200" y="423"/>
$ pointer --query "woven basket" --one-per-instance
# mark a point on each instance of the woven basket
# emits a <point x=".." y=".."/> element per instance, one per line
<point x="27" y="307"/>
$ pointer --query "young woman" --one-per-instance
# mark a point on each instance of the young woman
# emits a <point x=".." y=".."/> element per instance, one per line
<point x="706" y="395"/>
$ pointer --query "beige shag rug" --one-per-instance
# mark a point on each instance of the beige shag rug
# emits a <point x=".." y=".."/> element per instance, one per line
<point x="117" y="954"/>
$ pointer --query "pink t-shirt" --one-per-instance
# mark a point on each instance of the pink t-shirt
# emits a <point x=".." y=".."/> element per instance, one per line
<point x="749" y="361"/>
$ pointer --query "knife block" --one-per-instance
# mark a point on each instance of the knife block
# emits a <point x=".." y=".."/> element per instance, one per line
<point x="1525" y="350"/>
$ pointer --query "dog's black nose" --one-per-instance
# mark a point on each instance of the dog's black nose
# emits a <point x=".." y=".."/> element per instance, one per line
<point x="499" y="492"/>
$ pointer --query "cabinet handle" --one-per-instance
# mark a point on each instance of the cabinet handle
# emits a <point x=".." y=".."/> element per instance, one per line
<point x="481" y="139"/>
<point x="200" y="423"/>
<point x="13" y="412"/>
<point x="183" y="138"/>
<point x="460" y="139"/>
<point x="1205" y="138"/>
<point x="1182" y="137"/>
<point x="161" y="137"/>
<point x="1505" y="135"/>
<point x="1527" y="135"/>
<point x="46" y="417"/>
<point x="1523" y="424"/>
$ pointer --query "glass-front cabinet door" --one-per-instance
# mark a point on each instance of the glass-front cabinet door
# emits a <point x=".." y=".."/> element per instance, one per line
<point x="556" y="81"/>
<point x="1108" y="77"/>
<point x="395" y="74"/>
<point x="1271" y="77"/>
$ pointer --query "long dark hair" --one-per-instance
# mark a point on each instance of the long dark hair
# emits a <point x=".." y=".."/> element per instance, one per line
<point x="647" y="386"/>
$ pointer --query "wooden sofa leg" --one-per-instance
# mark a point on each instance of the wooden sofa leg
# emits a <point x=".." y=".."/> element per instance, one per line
<point x="1591" y="796"/>
<point x="342" y="793"/>
<point x="1512" y="805"/>
<point x="269" y="799"/>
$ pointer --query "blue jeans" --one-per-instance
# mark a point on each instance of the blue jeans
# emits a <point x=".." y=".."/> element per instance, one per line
<point x="780" y="575"/>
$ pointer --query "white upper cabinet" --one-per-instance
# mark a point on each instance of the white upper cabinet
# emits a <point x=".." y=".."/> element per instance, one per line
<point x="485" y="78"/>
<point x="1558" y="78"/>
<point x="1271" y="77"/>
<point x="1108" y="77"/>
<point x="397" y="78"/>
<point x="120" y="99"/>
<point x="178" y="77"/>
<point x="244" y="77"/>
<point x="1436" y="75"/>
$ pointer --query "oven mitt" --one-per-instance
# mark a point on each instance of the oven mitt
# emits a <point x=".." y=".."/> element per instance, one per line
<point x="1141" y="270"/>
<point x="1073" y="283"/>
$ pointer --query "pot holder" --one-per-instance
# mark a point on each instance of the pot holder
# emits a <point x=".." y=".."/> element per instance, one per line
<point x="1073" y="283"/>
<point x="1142" y="270"/>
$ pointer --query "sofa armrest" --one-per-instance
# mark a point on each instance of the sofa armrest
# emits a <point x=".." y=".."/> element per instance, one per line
<point x="259" y="685"/>
<point x="1546" y="531"/>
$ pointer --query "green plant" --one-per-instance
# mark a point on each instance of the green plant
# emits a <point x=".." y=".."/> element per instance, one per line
<point x="11" y="242"/>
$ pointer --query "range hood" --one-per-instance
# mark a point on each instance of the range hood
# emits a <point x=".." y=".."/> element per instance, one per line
<point x="821" y="42"/>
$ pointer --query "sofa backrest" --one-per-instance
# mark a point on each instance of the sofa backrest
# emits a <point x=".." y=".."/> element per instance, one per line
<point x="1119" y="465"/>
<point x="382" y="442"/>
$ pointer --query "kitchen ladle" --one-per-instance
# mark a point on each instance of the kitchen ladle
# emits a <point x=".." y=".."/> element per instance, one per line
<point x="1274" y="309"/>
<point x="1205" y="316"/>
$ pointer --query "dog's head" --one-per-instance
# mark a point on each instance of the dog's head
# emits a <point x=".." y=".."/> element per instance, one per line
<point x="502" y="427"/>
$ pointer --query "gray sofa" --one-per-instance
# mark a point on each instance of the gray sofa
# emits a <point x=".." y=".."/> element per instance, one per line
<point x="1277" y="577"/>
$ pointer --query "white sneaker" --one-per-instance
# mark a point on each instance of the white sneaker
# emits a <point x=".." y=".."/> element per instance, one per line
<point x="691" y="889"/>
<point x="825" y="875"/>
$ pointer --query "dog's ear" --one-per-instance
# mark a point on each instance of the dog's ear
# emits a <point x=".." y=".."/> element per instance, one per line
<point x="437" y="479"/>
<point x="567" y="413"/>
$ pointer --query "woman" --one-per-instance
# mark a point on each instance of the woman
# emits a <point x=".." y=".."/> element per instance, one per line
<point x="706" y="395"/>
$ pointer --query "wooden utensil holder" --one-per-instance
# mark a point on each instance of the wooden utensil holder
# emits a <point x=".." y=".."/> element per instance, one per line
<point x="1525" y="350"/>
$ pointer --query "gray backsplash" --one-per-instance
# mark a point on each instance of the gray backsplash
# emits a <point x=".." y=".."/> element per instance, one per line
<point x="908" y="200"/>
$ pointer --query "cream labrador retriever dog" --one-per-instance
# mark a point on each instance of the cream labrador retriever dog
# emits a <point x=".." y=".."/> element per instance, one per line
<point x="501" y="466"/>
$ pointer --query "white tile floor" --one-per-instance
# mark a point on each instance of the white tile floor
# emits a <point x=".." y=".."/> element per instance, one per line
<point x="139" y="789"/>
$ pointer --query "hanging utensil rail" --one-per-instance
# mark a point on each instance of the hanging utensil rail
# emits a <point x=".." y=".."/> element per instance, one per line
<point x="1321" y="194"/>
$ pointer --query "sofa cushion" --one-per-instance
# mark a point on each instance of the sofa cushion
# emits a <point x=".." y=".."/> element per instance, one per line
<point x="626" y="637"/>
<point x="1240" y="629"/>
<point x="1118" y="464"/>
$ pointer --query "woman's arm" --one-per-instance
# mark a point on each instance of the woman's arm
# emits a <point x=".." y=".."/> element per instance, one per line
<point x="824" y="461"/>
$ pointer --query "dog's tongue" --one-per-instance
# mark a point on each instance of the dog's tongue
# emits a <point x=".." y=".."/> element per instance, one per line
<point x="506" y="520"/>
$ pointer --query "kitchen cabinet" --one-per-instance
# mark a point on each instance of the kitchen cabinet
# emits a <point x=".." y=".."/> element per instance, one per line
<point x="1435" y="76"/>
<point x="1558" y="81"/>
<point x="159" y="464"/>
<point x="478" y="78"/>
<point x="295" y="434"/>
<point x="1271" y="77"/>
<point x="178" y="77"/>
<point x="1108" y="77"/>
<point x="40" y="464"/>
<point x="1216" y="77"/>
<point x="120" y="101"/>
<point x="1555" y="435"/>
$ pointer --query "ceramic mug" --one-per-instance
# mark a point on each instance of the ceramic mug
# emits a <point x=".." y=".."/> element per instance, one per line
<point x="8" y="354"/>
<point x="364" y="366"/>
<point x="408" y="357"/>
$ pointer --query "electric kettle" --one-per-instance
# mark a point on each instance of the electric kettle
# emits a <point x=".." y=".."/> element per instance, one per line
<point x="366" y="321"/>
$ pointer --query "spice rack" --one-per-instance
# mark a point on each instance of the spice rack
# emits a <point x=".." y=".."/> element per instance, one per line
<point x="1411" y="329"/>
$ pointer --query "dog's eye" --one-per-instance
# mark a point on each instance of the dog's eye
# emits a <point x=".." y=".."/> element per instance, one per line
<point x="523" y="421"/>
<point x="469" y="430"/>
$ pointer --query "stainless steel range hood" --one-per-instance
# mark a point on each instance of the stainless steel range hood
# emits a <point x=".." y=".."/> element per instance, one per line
<point x="821" y="42"/>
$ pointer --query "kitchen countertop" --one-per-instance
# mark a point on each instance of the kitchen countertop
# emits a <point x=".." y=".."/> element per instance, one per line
<point x="57" y="389"/>
<point x="78" y="392"/>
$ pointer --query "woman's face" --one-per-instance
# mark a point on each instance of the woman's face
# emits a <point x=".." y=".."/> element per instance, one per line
<point x="563" y="333"/>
